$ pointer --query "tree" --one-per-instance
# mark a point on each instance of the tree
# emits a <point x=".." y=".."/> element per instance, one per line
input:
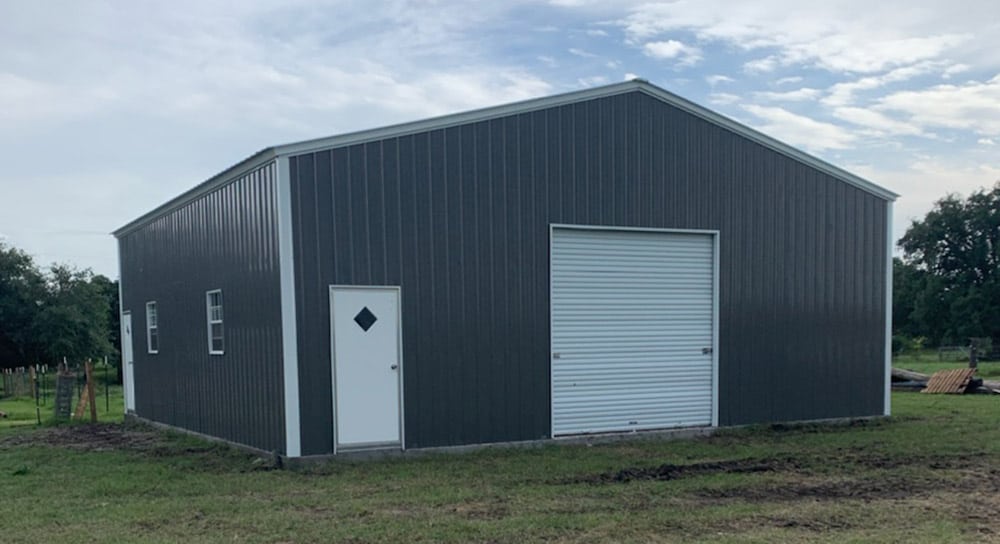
<point x="951" y="269"/>
<point x="63" y="312"/>
<point x="73" y="320"/>
<point x="22" y="289"/>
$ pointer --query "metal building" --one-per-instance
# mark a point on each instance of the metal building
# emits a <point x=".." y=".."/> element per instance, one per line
<point x="608" y="260"/>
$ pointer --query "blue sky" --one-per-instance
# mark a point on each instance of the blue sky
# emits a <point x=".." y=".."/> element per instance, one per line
<point x="109" y="108"/>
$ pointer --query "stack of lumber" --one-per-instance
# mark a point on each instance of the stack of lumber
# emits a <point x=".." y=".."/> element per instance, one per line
<point x="959" y="380"/>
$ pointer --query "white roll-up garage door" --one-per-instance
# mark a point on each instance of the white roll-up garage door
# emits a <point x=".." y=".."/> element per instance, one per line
<point x="632" y="330"/>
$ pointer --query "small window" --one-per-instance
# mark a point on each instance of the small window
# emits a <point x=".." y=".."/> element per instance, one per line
<point x="213" y="300"/>
<point x="152" y="328"/>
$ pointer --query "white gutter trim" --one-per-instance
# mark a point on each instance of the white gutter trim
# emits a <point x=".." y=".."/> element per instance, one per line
<point x="289" y="333"/>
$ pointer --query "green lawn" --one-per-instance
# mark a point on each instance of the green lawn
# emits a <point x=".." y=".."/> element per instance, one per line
<point x="22" y="411"/>
<point x="930" y="474"/>
<point x="928" y="363"/>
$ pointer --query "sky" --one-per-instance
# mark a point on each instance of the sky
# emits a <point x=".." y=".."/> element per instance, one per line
<point x="110" y="108"/>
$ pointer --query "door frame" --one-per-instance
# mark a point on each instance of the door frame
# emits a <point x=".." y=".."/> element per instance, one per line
<point x="128" y="368"/>
<point x="399" y="357"/>
<point x="716" y="237"/>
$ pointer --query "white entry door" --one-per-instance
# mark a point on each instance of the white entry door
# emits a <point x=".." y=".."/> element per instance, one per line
<point x="367" y="366"/>
<point x="128" y="363"/>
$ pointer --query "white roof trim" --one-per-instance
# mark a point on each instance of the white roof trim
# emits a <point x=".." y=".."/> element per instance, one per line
<point x="436" y="123"/>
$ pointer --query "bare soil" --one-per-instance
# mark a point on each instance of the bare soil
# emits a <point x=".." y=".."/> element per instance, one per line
<point x="90" y="437"/>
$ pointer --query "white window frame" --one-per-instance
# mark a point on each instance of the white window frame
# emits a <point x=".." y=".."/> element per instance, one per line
<point x="151" y="327"/>
<point x="210" y="321"/>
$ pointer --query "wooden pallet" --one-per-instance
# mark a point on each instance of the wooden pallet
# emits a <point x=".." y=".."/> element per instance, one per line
<point x="950" y="381"/>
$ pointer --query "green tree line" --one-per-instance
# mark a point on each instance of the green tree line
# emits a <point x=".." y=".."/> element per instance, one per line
<point x="946" y="285"/>
<point x="49" y="314"/>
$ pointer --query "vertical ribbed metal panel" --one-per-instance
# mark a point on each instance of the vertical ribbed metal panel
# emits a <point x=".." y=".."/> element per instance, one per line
<point x="225" y="240"/>
<point x="632" y="313"/>
<point x="459" y="218"/>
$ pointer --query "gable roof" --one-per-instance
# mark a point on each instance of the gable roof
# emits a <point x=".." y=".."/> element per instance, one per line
<point x="265" y="155"/>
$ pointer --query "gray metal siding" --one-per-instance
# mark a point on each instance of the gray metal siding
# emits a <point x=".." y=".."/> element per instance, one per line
<point x="225" y="240"/>
<point x="459" y="217"/>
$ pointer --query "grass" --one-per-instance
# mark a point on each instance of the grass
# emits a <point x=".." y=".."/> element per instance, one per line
<point x="928" y="363"/>
<point x="929" y="474"/>
<point x="21" y="411"/>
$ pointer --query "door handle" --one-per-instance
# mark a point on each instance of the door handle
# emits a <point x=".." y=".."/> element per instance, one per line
<point x="706" y="351"/>
<point x="393" y="367"/>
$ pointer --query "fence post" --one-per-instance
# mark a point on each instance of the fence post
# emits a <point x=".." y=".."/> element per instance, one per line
<point x="107" y="394"/>
<point x="973" y="356"/>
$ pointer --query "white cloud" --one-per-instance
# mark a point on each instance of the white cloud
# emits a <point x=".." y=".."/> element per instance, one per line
<point x="715" y="79"/>
<point x="799" y="95"/>
<point x="597" y="32"/>
<point x="974" y="106"/>
<point x="788" y="80"/>
<point x="592" y="81"/>
<point x="686" y="55"/>
<point x="955" y="69"/>
<point x="986" y="141"/>
<point x="763" y="65"/>
<point x="799" y="130"/>
<point x="842" y="94"/>
<point x="547" y="60"/>
<point x="581" y="53"/>
<point x="629" y="76"/>
<point x="878" y="123"/>
<point x="851" y="36"/>
<point x="723" y="99"/>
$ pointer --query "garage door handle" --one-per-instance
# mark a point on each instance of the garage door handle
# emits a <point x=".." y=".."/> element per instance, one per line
<point x="706" y="351"/>
<point x="393" y="367"/>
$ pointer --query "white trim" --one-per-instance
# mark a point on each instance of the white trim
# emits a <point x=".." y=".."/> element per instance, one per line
<point x="261" y="158"/>
<point x="121" y="331"/>
<point x="209" y="321"/>
<point x="399" y="357"/>
<point x="333" y="367"/>
<point x="289" y="329"/>
<point x="889" y="243"/>
<point x="552" y="387"/>
<point x="715" y="306"/>
<point x="628" y="229"/>
<point x="149" y="329"/>
<point x="717" y="241"/>
<point x="126" y="371"/>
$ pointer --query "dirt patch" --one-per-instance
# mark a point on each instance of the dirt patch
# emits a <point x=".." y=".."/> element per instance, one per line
<point x="142" y="440"/>
<point x="89" y="437"/>
<point x="668" y="471"/>
<point x="887" y="486"/>
<point x="870" y="476"/>
<point x="484" y="510"/>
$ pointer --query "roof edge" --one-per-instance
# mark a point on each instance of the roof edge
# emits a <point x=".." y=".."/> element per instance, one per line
<point x="434" y="123"/>
<point x="767" y="141"/>
<point x="225" y="177"/>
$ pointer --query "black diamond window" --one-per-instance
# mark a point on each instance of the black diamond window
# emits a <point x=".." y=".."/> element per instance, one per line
<point x="365" y="319"/>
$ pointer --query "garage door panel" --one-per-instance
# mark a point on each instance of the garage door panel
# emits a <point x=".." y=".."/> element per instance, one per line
<point x="631" y="314"/>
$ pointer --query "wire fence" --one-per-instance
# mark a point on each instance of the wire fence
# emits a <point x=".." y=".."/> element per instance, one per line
<point x="49" y="387"/>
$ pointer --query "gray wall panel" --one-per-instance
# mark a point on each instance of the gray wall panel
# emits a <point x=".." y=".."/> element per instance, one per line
<point x="225" y="240"/>
<point x="459" y="217"/>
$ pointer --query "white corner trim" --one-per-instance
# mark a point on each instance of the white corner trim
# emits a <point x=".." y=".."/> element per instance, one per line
<point x="716" y="241"/>
<point x="887" y="404"/>
<point x="289" y="334"/>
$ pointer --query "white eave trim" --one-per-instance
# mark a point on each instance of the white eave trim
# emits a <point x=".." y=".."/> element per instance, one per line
<point x="437" y="123"/>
